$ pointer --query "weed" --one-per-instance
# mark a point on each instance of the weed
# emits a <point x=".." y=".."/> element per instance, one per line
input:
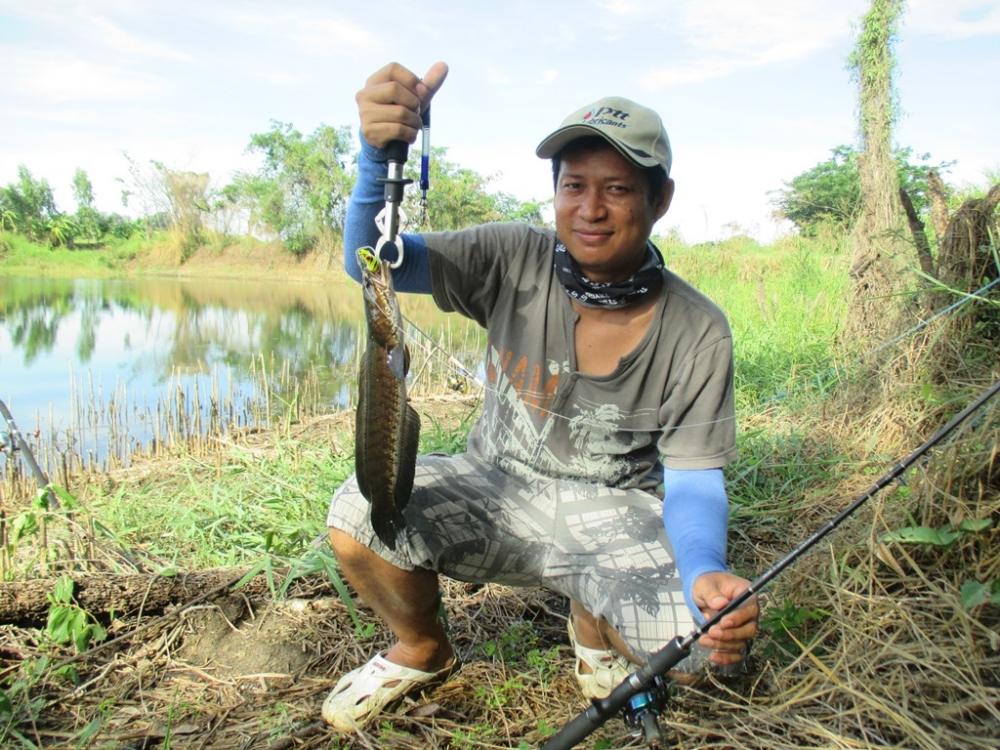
<point x="471" y="737"/>
<point x="545" y="663"/>
<point x="976" y="593"/>
<point x="941" y="536"/>
<point x="67" y="621"/>
<point x="438" y="439"/>
<point x="513" y="644"/>
<point x="498" y="696"/>
<point x="789" y="625"/>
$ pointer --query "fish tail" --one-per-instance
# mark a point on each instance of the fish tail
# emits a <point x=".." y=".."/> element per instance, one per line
<point x="387" y="526"/>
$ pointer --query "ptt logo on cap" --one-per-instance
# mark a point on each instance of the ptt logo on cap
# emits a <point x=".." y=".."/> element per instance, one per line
<point x="607" y="116"/>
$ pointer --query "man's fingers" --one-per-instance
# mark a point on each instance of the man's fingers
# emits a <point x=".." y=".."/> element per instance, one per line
<point x="394" y="72"/>
<point x="744" y="632"/>
<point x="389" y="93"/>
<point x="380" y="135"/>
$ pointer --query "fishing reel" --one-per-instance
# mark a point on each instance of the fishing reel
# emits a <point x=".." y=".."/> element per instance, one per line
<point x="641" y="713"/>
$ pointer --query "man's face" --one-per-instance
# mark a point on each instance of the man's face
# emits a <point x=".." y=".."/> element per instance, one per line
<point x="603" y="213"/>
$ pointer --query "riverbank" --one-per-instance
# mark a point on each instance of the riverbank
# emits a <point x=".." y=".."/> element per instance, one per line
<point x="162" y="254"/>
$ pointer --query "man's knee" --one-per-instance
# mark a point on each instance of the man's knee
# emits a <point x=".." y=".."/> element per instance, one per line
<point x="350" y="553"/>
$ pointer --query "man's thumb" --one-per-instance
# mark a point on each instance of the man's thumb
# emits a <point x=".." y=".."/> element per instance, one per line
<point x="432" y="81"/>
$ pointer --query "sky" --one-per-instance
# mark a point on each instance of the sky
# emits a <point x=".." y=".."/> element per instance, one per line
<point x="752" y="92"/>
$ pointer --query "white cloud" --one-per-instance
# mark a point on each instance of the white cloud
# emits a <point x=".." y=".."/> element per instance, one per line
<point x="118" y="39"/>
<point x="550" y="76"/>
<point x="58" y="116"/>
<point x="496" y="76"/>
<point x="690" y="72"/>
<point x="59" y="78"/>
<point x="330" y="36"/>
<point x="720" y="37"/>
<point x="280" y="77"/>
<point x="619" y="7"/>
<point x="956" y="19"/>
<point x="314" y="33"/>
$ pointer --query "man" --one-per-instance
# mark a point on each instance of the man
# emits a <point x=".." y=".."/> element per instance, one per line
<point x="607" y="375"/>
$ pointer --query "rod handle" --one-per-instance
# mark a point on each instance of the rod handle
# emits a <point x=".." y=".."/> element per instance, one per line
<point x="397" y="151"/>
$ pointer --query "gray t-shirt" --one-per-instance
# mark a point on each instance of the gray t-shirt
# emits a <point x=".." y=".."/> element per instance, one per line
<point x="669" y="400"/>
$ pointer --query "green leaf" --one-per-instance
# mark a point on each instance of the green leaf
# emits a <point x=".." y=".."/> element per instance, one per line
<point x="58" y="624"/>
<point x="63" y="591"/>
<point x="263" y="565"/>
<point x="89" y="731"/>
<point x="975" y="593"/>
<point x="41" y="499"/>
<point x="87" y="634"/>
<point x="975" y="524"/>
<point x="24" y="525"/>
<point x="77" y="622"/>
<point x="97" y="632"/>
<point x="941" y="537"/>
<point x="69" y="502"/>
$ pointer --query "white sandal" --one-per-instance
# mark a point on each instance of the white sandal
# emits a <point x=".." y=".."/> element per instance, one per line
<point x="607" y="668"/>
<point x="363" y="693"/>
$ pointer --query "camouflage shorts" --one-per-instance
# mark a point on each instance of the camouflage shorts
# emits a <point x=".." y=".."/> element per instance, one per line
<point x="602" y="546"/>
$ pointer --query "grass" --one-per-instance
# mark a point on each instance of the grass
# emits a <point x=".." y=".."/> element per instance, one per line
<point x="21" y="257"/>
<point x="785" y="304"/>
<point x="229" y="511"/>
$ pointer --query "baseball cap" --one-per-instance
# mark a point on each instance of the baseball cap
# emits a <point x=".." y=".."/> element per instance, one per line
<point x="634" y="130"/>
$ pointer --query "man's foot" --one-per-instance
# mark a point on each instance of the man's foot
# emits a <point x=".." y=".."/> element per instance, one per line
<point x="598" y="671"/>
<point x="361" y="695"/>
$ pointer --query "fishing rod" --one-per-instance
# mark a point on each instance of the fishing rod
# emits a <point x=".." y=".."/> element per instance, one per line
<point x="18" y="442"/>
<point x="652" y="676"/>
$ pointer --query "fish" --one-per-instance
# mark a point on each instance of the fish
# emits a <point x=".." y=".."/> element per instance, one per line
<point x="387" y="427"/>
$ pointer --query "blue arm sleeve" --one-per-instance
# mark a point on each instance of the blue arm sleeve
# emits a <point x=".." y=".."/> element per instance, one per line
<point x="696" y="515"/>
<point x="367" y="199"/>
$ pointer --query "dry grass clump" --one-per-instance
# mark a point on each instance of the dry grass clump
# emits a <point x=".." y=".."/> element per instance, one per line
<point x="896" y="658"/>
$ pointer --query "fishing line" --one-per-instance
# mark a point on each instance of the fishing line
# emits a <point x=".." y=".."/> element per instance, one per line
<point x="853" y="364"/>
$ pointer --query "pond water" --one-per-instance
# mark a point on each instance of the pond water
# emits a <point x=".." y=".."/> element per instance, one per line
<point x="108" y="365"/>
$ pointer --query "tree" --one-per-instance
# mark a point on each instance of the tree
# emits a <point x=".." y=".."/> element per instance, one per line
<point x="302" y="188"/>
<point x="28" y="206"/>
<point x="187" y="193"/>
<point x="459" y="197"/>
<point x="829" y="194"/>
<point x="880" y="251"/>
<point x="146" y="187"/>
<point x="87" y="218"/>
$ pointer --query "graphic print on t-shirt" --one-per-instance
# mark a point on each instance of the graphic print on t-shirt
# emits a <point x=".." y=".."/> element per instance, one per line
<point x="523" y="430"/>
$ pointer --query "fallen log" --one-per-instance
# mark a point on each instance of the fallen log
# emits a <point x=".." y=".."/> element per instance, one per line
<point x="26" y="603"/>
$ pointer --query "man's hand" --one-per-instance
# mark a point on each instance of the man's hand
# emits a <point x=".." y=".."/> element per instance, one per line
<point x="727" y="639"/>
<point x="391" y="102"/>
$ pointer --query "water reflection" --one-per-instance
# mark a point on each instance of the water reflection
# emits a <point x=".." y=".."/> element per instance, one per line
<point x="103" y="360"/>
